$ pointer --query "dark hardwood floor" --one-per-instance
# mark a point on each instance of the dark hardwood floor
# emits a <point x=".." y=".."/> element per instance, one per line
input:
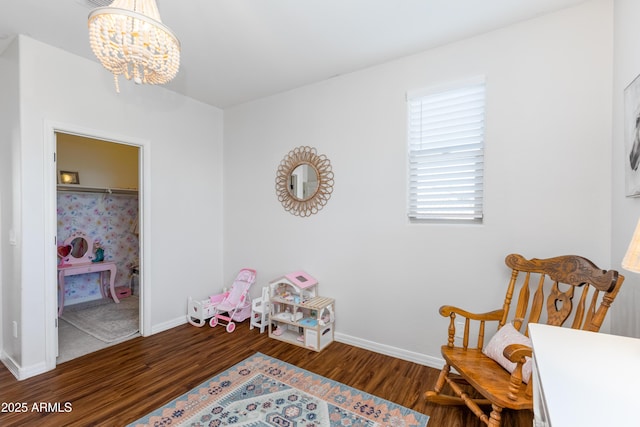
<point x="117" y="385"/>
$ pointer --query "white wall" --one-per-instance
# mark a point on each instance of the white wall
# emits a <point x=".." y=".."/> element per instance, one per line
<point x="184" y="142"/>
<point x="9" y="198"/>
<point x="548" y="179"/>
<point x="626" y="211"/>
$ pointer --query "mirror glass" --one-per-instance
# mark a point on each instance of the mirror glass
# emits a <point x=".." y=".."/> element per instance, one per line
<point x="79" y="247"/>
<point x="303" y="182"/>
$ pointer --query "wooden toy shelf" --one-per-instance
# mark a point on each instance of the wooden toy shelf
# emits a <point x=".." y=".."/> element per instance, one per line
<point x="300" y="317"/>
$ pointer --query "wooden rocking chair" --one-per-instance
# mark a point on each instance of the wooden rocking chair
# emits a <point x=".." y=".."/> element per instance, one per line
<point x="553" y="283"/>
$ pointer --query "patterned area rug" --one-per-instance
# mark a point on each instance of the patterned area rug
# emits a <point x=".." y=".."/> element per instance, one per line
<point x="263" y="391"/>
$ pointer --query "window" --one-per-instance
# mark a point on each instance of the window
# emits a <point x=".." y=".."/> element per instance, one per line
<point x="446" y="152"/>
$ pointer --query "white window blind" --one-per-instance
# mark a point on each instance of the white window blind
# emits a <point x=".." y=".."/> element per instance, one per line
<point x="446" y="153"/>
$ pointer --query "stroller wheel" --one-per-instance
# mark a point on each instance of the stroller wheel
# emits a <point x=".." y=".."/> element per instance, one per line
<point x="213" y="322"/>
<point x="231" y="327"/>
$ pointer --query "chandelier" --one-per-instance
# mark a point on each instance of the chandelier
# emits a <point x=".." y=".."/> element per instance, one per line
<point x="129" y="38"/>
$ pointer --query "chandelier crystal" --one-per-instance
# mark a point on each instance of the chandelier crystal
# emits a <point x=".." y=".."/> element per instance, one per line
<point x="129" y="39"/>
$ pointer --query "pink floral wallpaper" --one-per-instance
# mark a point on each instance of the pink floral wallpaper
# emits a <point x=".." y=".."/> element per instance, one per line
<point x="108" y="219"/>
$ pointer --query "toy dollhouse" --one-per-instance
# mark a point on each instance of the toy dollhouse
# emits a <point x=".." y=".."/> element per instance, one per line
<point x="298" y="315"/>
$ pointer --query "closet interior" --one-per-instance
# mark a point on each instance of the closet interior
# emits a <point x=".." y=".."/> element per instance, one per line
<point x="98" y="244"/>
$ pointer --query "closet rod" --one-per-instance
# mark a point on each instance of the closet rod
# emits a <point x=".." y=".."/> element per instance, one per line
<point x="85" y="189"/>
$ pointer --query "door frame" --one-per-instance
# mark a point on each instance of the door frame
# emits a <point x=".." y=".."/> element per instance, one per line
<point x="51" y="218"/>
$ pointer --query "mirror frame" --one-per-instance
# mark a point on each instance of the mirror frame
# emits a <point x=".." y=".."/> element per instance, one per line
<point x="304" y="155"/>
<point x="87" y="257"/>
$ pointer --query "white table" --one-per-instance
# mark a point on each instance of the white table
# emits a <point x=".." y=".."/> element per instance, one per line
<point x="584" y="379"/>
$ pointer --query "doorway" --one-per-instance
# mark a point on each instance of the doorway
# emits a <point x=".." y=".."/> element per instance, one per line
<point x="97" y="206"/>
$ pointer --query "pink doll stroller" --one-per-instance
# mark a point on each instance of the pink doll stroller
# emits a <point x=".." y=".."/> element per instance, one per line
<point x="236" y="303"/>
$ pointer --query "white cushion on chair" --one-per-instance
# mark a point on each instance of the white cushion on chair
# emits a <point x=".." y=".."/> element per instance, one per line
<point x="505" y="336"/>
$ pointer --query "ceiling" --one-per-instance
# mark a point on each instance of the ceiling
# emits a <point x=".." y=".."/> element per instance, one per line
<point x="234" y="51"/>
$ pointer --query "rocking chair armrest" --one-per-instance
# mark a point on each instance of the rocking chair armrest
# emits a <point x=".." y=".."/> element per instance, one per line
<point x="516" y="352"/>
<point x="451" y="312"/>
<point x="448" y="310"/>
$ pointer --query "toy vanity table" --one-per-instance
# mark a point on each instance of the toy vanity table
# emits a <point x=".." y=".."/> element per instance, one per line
<point x="77" y="258"/>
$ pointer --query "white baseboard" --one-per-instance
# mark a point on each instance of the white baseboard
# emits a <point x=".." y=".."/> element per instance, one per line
<point x="10" y="364"/>
<point x="165" y="326"/>
<point x="22" y="373"/>
<point x="422" y="359"/>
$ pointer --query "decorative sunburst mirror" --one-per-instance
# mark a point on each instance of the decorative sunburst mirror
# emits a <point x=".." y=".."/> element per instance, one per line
<point x="304" y="181"/>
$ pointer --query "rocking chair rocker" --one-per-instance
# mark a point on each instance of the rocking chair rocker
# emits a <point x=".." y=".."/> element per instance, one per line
<point x="553" y="282"/>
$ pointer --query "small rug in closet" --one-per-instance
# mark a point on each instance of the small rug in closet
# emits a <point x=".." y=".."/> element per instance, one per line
<point x="263" y="391"/>
<point x="104" y="319"/>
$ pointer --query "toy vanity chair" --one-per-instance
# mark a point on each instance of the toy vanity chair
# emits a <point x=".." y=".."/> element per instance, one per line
<point x="260" y="310"/>
<point x="236" y="303"/>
